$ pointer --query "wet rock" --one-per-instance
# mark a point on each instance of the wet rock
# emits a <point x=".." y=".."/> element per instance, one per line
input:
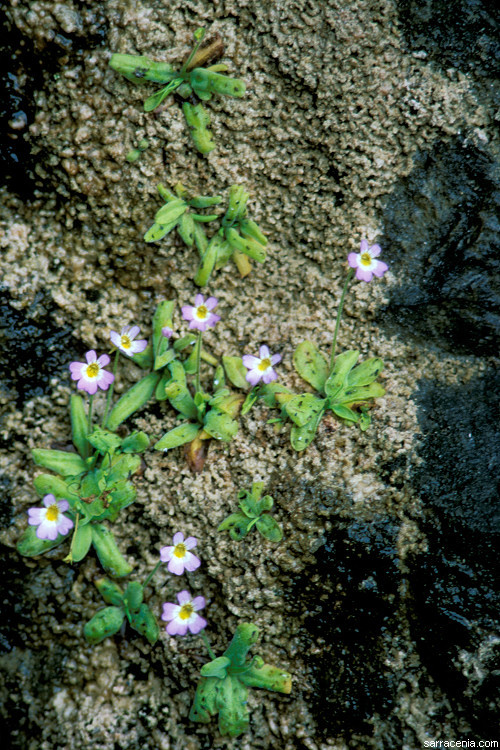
<point x="349" y="604"/>
<point x="455" y="613"/>
<point x="463" y="34"/>
<point x="441" y="223"/>
<point x="33" y="349"/>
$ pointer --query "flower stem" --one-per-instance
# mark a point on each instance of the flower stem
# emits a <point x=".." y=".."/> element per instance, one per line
<point x="339" y="316"/>
<point x="205" y="640"/>
<point x="148" y="579"/>
<point x="198" y="358"/>
<point x="193" y="53"/>
<point x="89" y="420"/>
<point x="110" y="390"/>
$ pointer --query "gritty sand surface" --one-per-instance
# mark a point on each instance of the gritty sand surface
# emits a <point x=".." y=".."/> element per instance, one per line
<point x="335" y="110"/>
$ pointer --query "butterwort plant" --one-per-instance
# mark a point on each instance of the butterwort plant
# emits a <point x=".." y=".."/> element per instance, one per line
<point x="237" y="237"/>
<point x="205" y="415"/>
<point x="194" y="82"/>
<point x="89" y="487"/>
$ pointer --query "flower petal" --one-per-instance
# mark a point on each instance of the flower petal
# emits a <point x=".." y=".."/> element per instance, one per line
<point x="275" y="359"/>
<point x="134" y="331"/>
<point x="197" y="625"/>
<point x="353" y="260"/>
<point x="166" y="553"/>
<point x="380" y="268"/>
<point x="198" y="603"/>
<point x="91" y="356"/>
<point x="103" y="360"/>
<point x="176" y="628"/>
<point x="375" y="250"/>
<point x="198" y="300"/>
<point x="190" y="542"/>
<point x="178" y="537"/>
<point x="253" y="376"/>
<point x="264" y="351"/>
<point x="176" y="566"/>
<point x="170" y="611"/>
<point x="191" y="562"/>
<point x="250" y="361"/>
<point x="211" y="303"/>
<point x="138" y="346"/>
<point x="183" y="597"/>
<point x="363" y="248"/>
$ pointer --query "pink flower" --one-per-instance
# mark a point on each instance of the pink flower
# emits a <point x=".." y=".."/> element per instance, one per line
<point x="365" y="262"/>
<point x="50" y="520"/>
<point x="201" y="315"/>
<point x="124" y="341"/>
<point x="91" y="375"/>
<point x="178" y="556"/>
<point x="182" y="617"/>
<point x="261" y="368"/>
<point x="167" y="332"/>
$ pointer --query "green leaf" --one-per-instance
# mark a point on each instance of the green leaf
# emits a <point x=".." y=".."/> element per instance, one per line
<point x="142" y="68"/>
<point x="311" y="365"/>
<point x="144" y="359"/>
<point x="208" y="260"/>
<point x="365" y="419"/>
<point x="251" y="230"/>
<point x="220" y="426"/>
<point x="366" y="372"/>
<point x="162" y="318"/>
<point x="133" y="399"/>
<point x="303" y="408"/>
<point x="236" y="372"/>
<point x="231" y="701"/>
<point x="205" y="201"/>
<point x="204" y="700"/>
<point x="164" y="359"/>
<point x="185" y="228"/>
<point x="156" y="232"/>
<point x="133" y="596"/>
<point x="79" y="425"/>
<point x="80" y="543"/>
<point x="156" y="99"/>
<point x="268" y="393"/>
<point x="104" y="440"/>
<point x="248" y="504"/>
<point x="202" y="79"/>
<point x="62" y="462"/>
<point x="238" y="198"/>
<point x="302" y="437"/>
<point x="245" y="635"/>
<point x="110" y="591"/>
<point x="216" y="668"/>
<point x="266" y="676"/>
<point x="108" y="553"/>
<point x="248" y="246"/>
<point x="47" y="484"/>
<point x="104" y="623"/>
<point x="145" y="623"/>
<point x="237" y="524"/>
<point x="228" y="403"/>
<point x="269" y="528"/>
<point x="30" y="545"/>
<point x="136" y="442"/>
<point x="342" y="366"/>
<point x="180" y="435"/>
<point x="198" y="119"/>
<point x="356" y="394"/>
<point x="345" y="413"/>
<point x="249" y="401"/>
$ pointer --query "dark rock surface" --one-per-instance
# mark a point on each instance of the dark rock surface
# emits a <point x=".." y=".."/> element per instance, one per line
<point x="349" y="603"/>
<point x="455" y="618"/>
<point x="441" y="225"/>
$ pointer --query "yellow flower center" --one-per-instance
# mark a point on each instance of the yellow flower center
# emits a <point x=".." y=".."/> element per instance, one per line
<point x="366" y="259"/>
<point x="179" y="550"/>
<point x="93" y="370"/>
<point x="264" y="364"/>
<point x="52" y="513"/>
<point x="201" y="312"/>
<point x="126" y="343"/>
<point x="186" y="611"/>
